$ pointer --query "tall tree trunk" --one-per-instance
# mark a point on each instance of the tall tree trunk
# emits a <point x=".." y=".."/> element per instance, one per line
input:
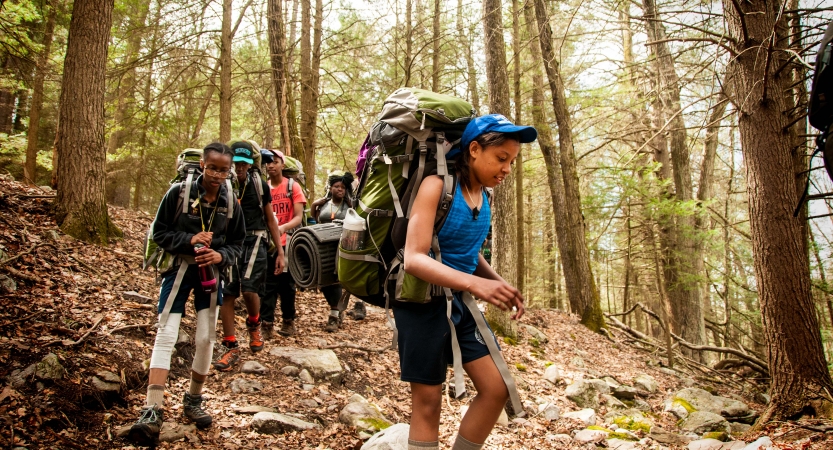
<point x="278" y="59"/>
<point x="505" y="239"/>
<point x="225" y="73"/>
<point x="127" y="84"/>
<point x="549" y="251"/>
<point x="584" y="293"/>
<point x="407" y="64"/>
<point x="80" y="209"/>
<point x="520" y="226"/>
<point x="30" y="169"/>
<point x="799" y="377"/>
<point x="435" y="49"/>
<point x="680" y="254"/>
<point x="310" y="63"/>
<point x="471" y="74"/>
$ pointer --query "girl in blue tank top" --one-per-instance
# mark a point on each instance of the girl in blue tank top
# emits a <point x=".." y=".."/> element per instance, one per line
<point x="489" y="146"/>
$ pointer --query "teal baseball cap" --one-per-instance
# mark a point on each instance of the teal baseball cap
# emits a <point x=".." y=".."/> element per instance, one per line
<point x="496" y="123"/>
<point x="243" y="152"/>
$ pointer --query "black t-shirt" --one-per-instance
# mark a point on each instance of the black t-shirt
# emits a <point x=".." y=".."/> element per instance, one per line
<point x="247" y="196"/>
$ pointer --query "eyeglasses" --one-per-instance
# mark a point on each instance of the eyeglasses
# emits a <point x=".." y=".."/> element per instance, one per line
<point x="216" y="173"/>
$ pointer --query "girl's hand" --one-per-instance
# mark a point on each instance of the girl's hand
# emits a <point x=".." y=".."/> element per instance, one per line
<point x="279" y="263"/>
<point x="203" y="237"/>
<point x="501" y="294"/>
<point x="206" y="257"/>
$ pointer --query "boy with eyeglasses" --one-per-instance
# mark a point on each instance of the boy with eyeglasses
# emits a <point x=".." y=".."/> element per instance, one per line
<point x="249" y="273"/>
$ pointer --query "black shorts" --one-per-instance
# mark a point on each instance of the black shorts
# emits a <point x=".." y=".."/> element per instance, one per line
<point x="425" y="340"/>
<point x="257" y="275"/>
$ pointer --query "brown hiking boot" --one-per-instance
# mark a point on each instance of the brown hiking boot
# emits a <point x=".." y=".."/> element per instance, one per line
<point x="255" y="339"/>
<point x="287" y="328"/>
<point x="268" y="329"/>
<point x="332" y="324"/>
<point x="228" y="360"/>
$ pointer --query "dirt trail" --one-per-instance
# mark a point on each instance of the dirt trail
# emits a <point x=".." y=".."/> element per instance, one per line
<point x="68" y="300"/>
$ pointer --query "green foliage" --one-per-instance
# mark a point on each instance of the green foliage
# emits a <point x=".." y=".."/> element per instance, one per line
<point x="632" y="424"/>
<point x="520" y="367"/>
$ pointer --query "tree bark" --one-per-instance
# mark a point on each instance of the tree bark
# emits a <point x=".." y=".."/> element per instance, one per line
<point x="310" y="63"/>
<point x="680" y="255"/>
<point x="409" y="35"/>
<point x="800" y="380"/>
<point x="582" y="291"/>
<point x="30" y="169"/>
<point x="80" y="209"/>
<point x="520" y="226"/>
<point x="505" y="239"/>
<point x="278" y="59"/>
<point x="225" y="73"/>
<point x="435" y="49"/>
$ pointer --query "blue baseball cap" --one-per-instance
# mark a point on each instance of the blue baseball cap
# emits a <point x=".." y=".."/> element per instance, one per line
<point x="497" y="123"/>
<point x="243" y="152"/>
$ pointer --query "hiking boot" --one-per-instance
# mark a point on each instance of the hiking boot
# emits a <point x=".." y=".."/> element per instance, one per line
<point x="255" y="338"/>
<point x="228" y="360"/>
<point x="332" y="324"/>
<point x="192" y="410"/>
<point x="268" y="329"/>
<point x="145" y="432"/>
<point x="287" y="328"/>
<point x="359" y="311"/>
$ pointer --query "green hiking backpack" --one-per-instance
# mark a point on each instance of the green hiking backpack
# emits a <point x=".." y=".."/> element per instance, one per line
<point x="417" y="135"/>
<point x="293" y="169"/>
<point x="400" y="150"/>
<point x="187" y="170"/>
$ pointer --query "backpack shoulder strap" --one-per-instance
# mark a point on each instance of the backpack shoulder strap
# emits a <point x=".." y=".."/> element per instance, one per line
<point x="255" y="175"/>
<point x="446" y="198"/>
<point x="229" y="198"/>
<point x="189" y="180"/>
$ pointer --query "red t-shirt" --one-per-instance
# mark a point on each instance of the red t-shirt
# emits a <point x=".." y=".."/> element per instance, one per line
<point x="283" y="206"/>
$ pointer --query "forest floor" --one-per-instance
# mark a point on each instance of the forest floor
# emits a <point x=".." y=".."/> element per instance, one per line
<point x="61" y="296"/>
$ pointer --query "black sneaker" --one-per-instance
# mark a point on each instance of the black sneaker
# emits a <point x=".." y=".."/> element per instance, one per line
<point x="192" y="410"/>
<point x="359" y="311"/>
<point x="332" y="324"/>
<point x="287" y="328"/>
<point x="146" y="430"/>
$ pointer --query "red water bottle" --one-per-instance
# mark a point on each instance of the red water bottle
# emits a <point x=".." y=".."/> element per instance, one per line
<point x="207" y="278"/>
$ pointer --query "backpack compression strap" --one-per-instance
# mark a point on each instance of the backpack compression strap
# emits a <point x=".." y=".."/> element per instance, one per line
<point x="184" y="262"/>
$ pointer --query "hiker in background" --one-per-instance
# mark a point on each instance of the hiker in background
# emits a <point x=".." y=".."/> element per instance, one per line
<point x="324" y="210"/>
<point x="488" y="147"/>
<point x="288" y="205"/>
<point x="205" y="241"/>
<point x="249" y="274"/>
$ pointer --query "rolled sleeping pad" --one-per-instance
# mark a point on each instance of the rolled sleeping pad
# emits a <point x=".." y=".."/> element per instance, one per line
<point x="312" y="254"/>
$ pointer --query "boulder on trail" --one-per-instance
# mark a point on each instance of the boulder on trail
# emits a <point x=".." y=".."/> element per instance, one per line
<point x="106" y="381"/>
<point x="253" y="367"/>
<point x="394" y="437"/>
<point x="276" y="423"/>
<point x="588" y="436"/>
<point x="552" y="374"/>
<point x="245" y="386"/>
<point x="364" y="416"/>
<point x="646" y="383"/>
<point x="49" y="368"/>
<point x="322" y="364"/>
<point x="536" y="334"/>
<point x="688" y="400"/>
<point x="700" y="422"/>
<point x="585" y="394"/>
<point x="587" y="415"/>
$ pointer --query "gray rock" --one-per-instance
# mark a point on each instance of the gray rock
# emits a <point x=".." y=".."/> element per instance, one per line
<point x="305" y="377"/>
<point x="7" y="284"/>
<point x="363" y="416"/>
<point x="590" y="436"/>
<point x="733" y="408"/>
<point x="646" y="383"/>
<point x="53" y="235"/>
<point x="667" y="437"/>
<point x="322" y="364"/>
<point x="253" y="409"/>
<point x="138" y="298"/>
<point x="705" y="444"/>
<point x="172" y="431"/>
<point x="308" y="387"/>
<point x="759" y="444"/>
<point x="290" y="371"/>
<point x="45" y="188"/>
<point x="612" y="402"/>
<point x="585" y="394"/>
<point x="245" y="386"/>
<point x="253" y="367"/>
<point x="392" y="438"/>
<point x="668" y="371"/>
<point x="19" y="378"/>
<point x="552" y="374"/>
<point x="550" y="412"/>
<point x="49" y="368"/>
<point x="738" y="428"/>
<point x="623" y="392"/>
<point x="620" y="444"/>
<point x="105" y="381"/>
<point x="536" y="334"/>
<point x="686" y="400"/>
<point x="276" y="423"/>
<point x="577" y="362"/>
<point x="611" y="383"/>
<point x="703" y="421"/>
<point x="356" y="398"/>
<point x="309" y="403"/>
<point x="587" y="415"/>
